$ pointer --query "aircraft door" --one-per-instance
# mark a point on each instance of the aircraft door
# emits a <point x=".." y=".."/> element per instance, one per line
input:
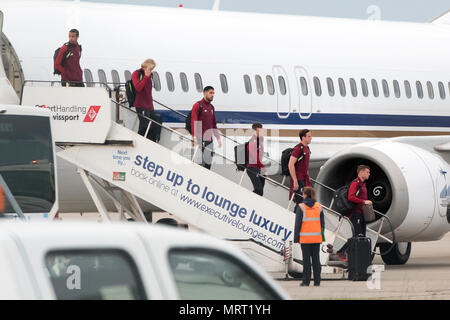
<point x="304" y="92"/>
<point x="10" y="67"/>
<point x="281" y="83"/>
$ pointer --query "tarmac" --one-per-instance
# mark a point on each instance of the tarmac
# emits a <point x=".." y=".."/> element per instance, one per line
<point x="426" y="276"/>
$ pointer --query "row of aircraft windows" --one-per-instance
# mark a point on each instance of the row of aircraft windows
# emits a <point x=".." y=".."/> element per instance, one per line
<point x="185" y="84"/>
<point x="365" y="85"/>
<point x="419" y="88"/>
<point x="156" y="80"/>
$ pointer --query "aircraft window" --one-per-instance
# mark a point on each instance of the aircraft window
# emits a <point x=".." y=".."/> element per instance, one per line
<point x="198" y="82"/>
<point x="282" y="85"/>
<point x="430" y="90"/>
<point x="385" y="88"/>
<point x="342" y="87"/>
<point x="408" y="92"/>
<point x="115" y="78"/>
<point x="419" y="89"/>
<point x="330" y="86"/>
<point x="317" y="87"/>
<point x="247" y="84"/>
<point x="304" y="86"/>
<point x="102" y="274"/>
<point x="184" y="82"/>
<point x="396" y="89"/>
<point x="375" y="90"/>
<point x="353" y="87"/>
<point x="259" y="84"/>
<point x="102" y="76"/>
<point x="270" y="85"/>
<point x="224" y="83"/>
<point x="170" y="83"/>
<point x="127" y="75"/>
<point x="88" y="78"/>
<point x="156" y="82"/>
<point x="201" y="274"/>
<point x="441" y="90"/>
<point x="364" y="87"/>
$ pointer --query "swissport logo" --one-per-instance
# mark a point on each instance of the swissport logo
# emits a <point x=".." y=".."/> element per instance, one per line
<point x="92" y="114"/>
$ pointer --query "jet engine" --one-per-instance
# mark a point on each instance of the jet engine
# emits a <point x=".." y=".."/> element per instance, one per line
<point x="407" y="183"/>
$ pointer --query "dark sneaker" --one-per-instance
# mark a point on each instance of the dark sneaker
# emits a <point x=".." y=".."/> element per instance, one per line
<point x="304" y="285"/>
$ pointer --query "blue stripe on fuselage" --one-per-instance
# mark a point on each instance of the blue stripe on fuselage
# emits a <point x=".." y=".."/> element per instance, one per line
<point x="329" y="119"/>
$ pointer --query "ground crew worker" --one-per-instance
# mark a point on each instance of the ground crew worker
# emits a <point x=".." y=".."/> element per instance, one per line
<point x="357" y="194"/>
<point x="204" y="126"/>
<point x="255" y="151"/>
<point x="67" y="61"/>
<point x="309" y="231"/>
<point x="298" y="166"/>
<point x="143" y="102"/>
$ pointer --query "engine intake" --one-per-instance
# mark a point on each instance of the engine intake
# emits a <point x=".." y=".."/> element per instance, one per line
<point x="407" y="183"/>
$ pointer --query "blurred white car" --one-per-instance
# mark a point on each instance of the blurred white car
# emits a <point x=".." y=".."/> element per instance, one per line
<point x="63" y="260"/>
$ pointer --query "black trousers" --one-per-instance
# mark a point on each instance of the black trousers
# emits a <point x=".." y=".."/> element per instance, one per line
<point x="257" y="181"/>
<point x="310" y="251"/>
<point x="143" y="123"/>
<point x="207" y="154"/>
<point x="359" y="225"/>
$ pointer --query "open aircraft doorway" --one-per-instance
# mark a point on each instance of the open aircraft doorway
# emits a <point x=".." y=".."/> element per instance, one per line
<point x="11" y="62"/>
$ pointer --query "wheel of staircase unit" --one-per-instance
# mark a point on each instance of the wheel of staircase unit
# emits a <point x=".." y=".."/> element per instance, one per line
<point x="398" y="255"/>
<point x="168" y="222"/>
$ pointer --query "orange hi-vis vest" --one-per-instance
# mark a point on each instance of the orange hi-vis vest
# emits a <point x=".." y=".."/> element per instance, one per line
<point x="311" y="231"/>
<point x="2" y="200"/>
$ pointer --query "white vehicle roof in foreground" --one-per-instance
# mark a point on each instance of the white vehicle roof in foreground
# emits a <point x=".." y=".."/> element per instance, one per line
<point x="25" y="110"/>
<point x="38" y="238"/>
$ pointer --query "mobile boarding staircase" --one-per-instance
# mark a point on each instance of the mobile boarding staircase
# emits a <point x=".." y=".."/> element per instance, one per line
<point x="93" y="131"/>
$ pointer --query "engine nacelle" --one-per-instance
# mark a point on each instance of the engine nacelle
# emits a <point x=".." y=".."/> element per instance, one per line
<point x="408" y="184"/>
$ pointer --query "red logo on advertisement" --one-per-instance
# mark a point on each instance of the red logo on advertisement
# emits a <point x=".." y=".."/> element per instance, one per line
<point x="92" y="114"/>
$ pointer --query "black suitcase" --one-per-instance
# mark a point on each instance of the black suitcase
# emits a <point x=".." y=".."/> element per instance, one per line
<point x="154" y="133"/>
<point x="359" y="258"/>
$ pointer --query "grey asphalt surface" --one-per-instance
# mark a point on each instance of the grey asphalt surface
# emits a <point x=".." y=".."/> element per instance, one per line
<point x="425" y="276"/>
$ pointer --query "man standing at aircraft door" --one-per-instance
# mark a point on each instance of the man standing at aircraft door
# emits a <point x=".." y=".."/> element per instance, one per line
<point x="67" y="61"/>
<point x="142" y="82"/>
<point x="298" y="166"/>
<point x="204" y="126"/>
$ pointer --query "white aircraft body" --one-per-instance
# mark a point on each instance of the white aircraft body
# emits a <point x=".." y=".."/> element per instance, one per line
<point x="349" y="81"/>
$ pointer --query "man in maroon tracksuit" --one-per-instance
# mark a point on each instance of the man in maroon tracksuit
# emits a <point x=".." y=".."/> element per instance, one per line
<point x="357" y="194"/>
<point x="68" y="61"/>
<point x="204" y="126"/>
<point x="143" y="102"/>
<point x="298" y="166"/>
<point x="255" y="151"/>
